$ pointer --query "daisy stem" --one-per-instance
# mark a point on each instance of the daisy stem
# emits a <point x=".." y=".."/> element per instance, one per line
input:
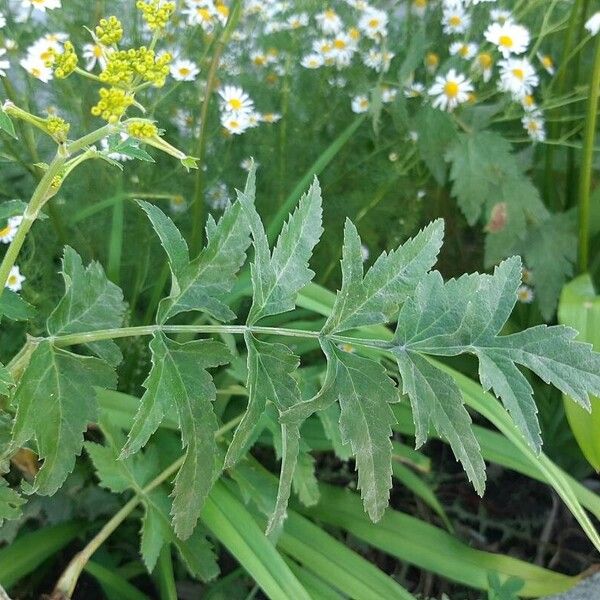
<point x="587" y="162"/>
<point x="198" y="216"/>
<point x="38" y="199"/>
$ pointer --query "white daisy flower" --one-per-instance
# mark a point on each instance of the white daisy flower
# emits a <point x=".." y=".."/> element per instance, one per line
<point x="235" y="101"/>
<point x="388" y="95"/>
<point x="201" y="14"/>
<point x="360" y="104"/>
<point x="15" y="280"/>
<point x="593" y="24"/>
<point x="420" y="7"/>
<point x="42" y="5"/>
<point x="499" y="15"/>
<point x="342" y="50"/>
<point x="329" y="21"/>
<point x="517" y="76"/>
<point x="414" y="90"/>
<point x="7" y="234"/>
<point x="235" y="123"/>
<point x="247" y="163"/>
<point x="464" y="50"/>
<point x="37" y="68"/>
<point x="373" y="23"/>
<point x="184" y="70"/>
<point x="455" y="19"/>
<point x="2" y="21"/>
<point x="177" y="204"/>
<point x="525" y="294"/>
<point x="378" y="60"/>
<point x="510" y="38"/>
<point x="546" y="62"/>
<point x="217" y="196"/>
<point x="450" y="90"/>
<point x="535" y="126"/>
<point x="528" y="103"/>
<point x="312" y="61"/>
<point x="270" y="117"/>
<point x="484" y="64"/>
<point x="94" y="54"/>
<point x="297" y="21"/>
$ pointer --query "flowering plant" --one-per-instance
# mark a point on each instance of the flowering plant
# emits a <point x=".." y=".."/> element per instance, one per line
<point x="392" y="113"/>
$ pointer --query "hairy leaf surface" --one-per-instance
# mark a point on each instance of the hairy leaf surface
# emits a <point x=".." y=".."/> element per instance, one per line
<point x="271" y="369"/>
<point x="203" y="283"/>
<point x="466" y="316"/>
<point x="277" y="278"/>
<point x="376" y="297"/>
<point x="364" y="392"/>
<point x="179" y="382"/>
<point x="55" y="401"/>
<point x="134" y="473"/>
<point x="6" y="380"/>
<point x="91" y="302"/>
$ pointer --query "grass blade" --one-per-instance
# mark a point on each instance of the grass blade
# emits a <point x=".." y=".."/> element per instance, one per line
<point x="114" y="586"/>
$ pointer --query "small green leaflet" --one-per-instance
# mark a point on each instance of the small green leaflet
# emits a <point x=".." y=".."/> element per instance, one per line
<point x="127" y="147"/>
<point x="557" y="238"/>
<point x="179" y="381"/>
<point x="55" y="401"/>
<point x="271" y="369"/>
<point x="10" y="503"/>
<point x="6" y="380"/>
<point x="364" y="392"/>
<point x="13" y="307"/>
<point x="466" y="315"/>
<point x="277" y="279"/>
<point x="203" y="283"/>
<point x="91" y="302"/>
<point x="375" y="298"/>
<point x="119" y="475"/>
<point x="6" y="124"/>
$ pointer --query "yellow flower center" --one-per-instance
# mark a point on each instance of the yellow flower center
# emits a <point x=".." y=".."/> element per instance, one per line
<point x="12" y="280"/>
<point x="420" y="3"/>
<point x="373" y="23"/>
<point x="235" y="104"/>
<point x="547" y="62"/>
<point x="97" y="51"/>
<point x="519" y="73"/>
<point x="528" y="100"/>
<point x="455" y="20"/>
<point x="354" y="33"/>
<point x="432" y="59"/>
<point x="234" y="124"/>
<point x="260" y="60"/>
<point x="4" y="231"/>
<point x="203" y="13"/>
<point x="184" y="71"/>
<point x="485" y="60"/>
<point x="506" y="41"/>
<point x="464" y="51"/>
<point x="451" y="89"/>
<point x="339" y="44"/>
<point x="36" y="72"/>
<point x="330" y="14"/>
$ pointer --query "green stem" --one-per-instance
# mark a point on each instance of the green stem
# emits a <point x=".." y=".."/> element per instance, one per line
<point x="211" y="81"/>
<point x="68" y="580"/>
<point x="41" y="194"/>
<point x="587" y="163"/>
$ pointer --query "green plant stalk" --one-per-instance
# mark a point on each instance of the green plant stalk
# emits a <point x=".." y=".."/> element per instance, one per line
<point x="198" y="200"/>
<point x="587" y="163"/>
<point x="68" y="580"/>
<point x="41" y="194"/>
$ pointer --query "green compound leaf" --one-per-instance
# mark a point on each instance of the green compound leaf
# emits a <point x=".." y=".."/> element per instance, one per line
<point x="204" y="283"/>
<point x="13" y="307"/>
<point x="91" y="302"/>
<point x="10" y="502"/>
<point x="364" y="392"/>
<point x="466" y="316"/>
<point x="179" y="381"/>
<point x="55" y="401"/>
<point x="271" y="370"/>
<point x="376" y="297"/>
<point x="135" y="472"/>
<point x="277" y="279"/>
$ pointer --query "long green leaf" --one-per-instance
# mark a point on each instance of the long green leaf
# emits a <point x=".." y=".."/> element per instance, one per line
<point x="430" y="548"/>
<point x="234" y="527"/>
<point x="112" y="583"/>
<point x="29" y="551"/>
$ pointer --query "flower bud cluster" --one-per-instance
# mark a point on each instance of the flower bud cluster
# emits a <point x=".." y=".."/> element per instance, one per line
<point x="142" y="129"/>
<point x="109" y="31"/>
<point x="65" y="63"/>
<point x="125" y="65"/>
<point x="156" y="13"/>
<point x="112" y="104"/>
